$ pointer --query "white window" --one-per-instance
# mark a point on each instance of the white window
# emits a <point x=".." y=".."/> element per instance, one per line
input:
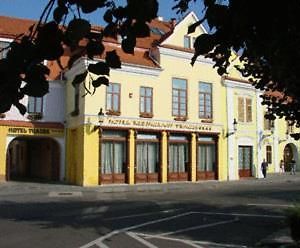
<point x="3" y="44"/>
<point x="187" y="41"/>
<point x="35" y="105"/>
<point x="244" y="109"/>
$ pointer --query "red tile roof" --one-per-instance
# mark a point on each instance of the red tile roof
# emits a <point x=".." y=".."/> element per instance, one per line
<point x="10" y="27"/>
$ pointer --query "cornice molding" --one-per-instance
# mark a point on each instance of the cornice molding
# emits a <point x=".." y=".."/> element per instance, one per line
<point x="236" y="84"/>
<point x="140" y="70"/>
<point x="183" y="55"/>
<point x="82" y="63"/>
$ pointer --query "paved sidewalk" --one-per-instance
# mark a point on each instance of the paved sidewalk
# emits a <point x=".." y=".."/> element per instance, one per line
<point x="16" y="187"/>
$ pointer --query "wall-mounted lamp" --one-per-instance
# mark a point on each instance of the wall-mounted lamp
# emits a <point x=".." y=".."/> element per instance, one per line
<point x="100" y="120"/>
<point x="234" y="128"/>
<point x="100" y="116"/>
<point x="234" y="125"/>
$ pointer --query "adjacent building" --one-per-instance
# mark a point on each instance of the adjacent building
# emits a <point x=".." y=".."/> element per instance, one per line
<point x="160" y="120"/>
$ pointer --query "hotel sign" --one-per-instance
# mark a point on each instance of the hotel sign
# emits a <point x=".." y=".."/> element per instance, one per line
<point x="158" y="125"/>
<point x="35" y="131"/>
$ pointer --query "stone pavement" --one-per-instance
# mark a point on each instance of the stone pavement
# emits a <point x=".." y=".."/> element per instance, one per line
<point x="17" y="187"/>
<point x="280" y="239"/>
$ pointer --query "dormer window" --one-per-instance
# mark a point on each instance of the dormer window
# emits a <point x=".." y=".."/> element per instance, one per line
<point x="3" y="44"/>
<point x="157" y="31"/>
<point x="35" y="108"/>
<point x="187" y="41"/>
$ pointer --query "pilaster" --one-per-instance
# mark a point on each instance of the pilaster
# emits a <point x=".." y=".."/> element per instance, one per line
<point x="164" y="157"/>
<point x="131" y="155"/>
<point x="193" y="148"/>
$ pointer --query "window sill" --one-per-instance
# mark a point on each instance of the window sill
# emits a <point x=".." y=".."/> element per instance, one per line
<point x="180" y="118"/>
<point x="246" y="123"/>
<point x="110" y="112"/>
<point x="207" y="121"/>
<point x="35" y="116"/>
<point x="146" y="115"/>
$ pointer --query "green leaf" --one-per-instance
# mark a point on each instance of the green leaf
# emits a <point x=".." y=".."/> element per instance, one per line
<point x="99" y="81"/>
<point x="204" y="43"/>
<point x="100" y="68"/>
<point x="22" y="109"/>
<point x="192" y="28"/>
<point x="36" y="88"/>
<point x="128" y="44"/>
<point x="113" y="60"/>
<point x="141" y="29"/>
<point x="59" y="12"/>
<point x="78" y="29"/>
<point x="94" y="48"/>
<point x="89" y="6"/>
<point x="108" y="16"/>
<point x="145" y="10"/>
<point x="79" y="78"/>
<point x="5" y="103"/>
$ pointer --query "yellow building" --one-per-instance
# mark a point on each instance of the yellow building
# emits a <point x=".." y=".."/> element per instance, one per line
<point x="32" y="147"/>
<point x="162" y="120"/>
<point x="167" y="121"/>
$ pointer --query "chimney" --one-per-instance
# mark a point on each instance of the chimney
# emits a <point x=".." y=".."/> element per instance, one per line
<point x="173" y="22"/>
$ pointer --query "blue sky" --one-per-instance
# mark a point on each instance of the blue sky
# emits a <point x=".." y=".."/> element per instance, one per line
<point x="32" y="9"/>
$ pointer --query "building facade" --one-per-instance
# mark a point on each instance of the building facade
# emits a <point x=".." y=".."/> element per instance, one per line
<point x="160" y="120"/>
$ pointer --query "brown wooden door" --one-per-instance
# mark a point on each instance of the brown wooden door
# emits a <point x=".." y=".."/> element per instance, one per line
<point x="206" y="162"/>
<point x="245" y="161"/>
<point x="178" y="168"/>
<point x="113" y="178"/>
<point x="287" y="156"/>
<point x="113" y="163"/>
<point x="147" y="162"/>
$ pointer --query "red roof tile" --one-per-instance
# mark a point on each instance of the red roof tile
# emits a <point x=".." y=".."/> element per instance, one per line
<point x="10" y="27"/>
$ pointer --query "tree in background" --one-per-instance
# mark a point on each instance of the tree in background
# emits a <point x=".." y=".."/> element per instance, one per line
<point x="265" y="34"/>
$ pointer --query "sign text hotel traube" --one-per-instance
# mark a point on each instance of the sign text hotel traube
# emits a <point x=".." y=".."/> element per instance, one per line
<point x="155" y="124"/>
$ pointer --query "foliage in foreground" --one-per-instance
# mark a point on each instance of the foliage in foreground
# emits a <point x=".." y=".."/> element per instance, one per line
<point x="266" y="35"/>
<point x="23" y="72"/>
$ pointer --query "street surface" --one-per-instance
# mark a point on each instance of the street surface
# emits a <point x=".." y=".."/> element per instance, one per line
<point x="205" y="214"/>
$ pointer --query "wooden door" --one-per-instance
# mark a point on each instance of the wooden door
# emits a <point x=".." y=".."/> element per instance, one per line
<point x="287" y="156"/>
<point x="113" y="163"/>
<point x="147" y="162"/>
<point x="178" y="166"/>
<point x="206" y="162"/>
<point x="245" y="161"/>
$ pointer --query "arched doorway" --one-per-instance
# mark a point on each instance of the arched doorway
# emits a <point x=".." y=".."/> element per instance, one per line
<point x="33" y="158"/>
<point x="288" y="155"/>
